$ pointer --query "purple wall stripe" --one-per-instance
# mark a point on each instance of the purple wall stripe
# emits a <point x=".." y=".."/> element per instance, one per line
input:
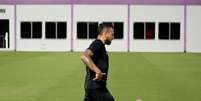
<point x="185" y="24"/>
<point x="146" y="2"/>
<point x="72" y="16"/>
<point x="128" y="32"/>
<point x="15" y="28"/>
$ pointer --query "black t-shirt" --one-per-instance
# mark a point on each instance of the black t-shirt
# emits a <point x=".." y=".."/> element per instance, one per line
<point x="100" y="58"/>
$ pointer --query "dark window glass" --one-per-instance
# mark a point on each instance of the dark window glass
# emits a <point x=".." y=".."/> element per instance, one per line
<point x="50" y="30"/>
<point x="25" y="29"/>
<point x="109" y="23"/>
<point x="61" y="30"/>
<point x="4" y="28"/>
<point x="82" y="30"/>
<point x="138" y="32"/>
<point x="36" y="30"/>
<point x="175" y="31"/>
<point x="93" y="30"/>
<point x="163" y="30"/>
<point x="150" y="30"/>
<point x="118" y="30"/>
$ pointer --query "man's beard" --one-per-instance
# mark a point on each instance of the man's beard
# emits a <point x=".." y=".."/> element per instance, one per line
<point x="108" y="42"/>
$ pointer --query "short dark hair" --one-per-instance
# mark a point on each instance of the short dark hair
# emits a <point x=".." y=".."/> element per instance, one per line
<point x="104" y="25"/>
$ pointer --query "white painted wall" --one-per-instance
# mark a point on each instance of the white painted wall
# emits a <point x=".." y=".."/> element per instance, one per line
<point x="152" y="13"/>
<point x="43" y="13"/>
<point x="9" y="14"/>
<point x="193" y="28"/>
<point x="144" y="13"/>
<point x="100" y="13"/>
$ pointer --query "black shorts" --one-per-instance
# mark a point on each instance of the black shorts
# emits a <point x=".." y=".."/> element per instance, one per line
<point x="98" y="95"/>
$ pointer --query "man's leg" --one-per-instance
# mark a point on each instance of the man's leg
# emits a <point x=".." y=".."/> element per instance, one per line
<point x="87" y="96"/>
<point x="102" y="95"/>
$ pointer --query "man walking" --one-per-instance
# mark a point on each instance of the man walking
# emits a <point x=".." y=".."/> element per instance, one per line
<point x="97" y="63"/>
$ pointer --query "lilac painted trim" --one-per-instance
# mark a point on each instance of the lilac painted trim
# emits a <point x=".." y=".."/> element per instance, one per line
<point x="72" y="16"/>
<point x="158" y="2"/>
<point x="15" y="28"/>
<point x="150" y="4"/>
<point x="128" y="32"/>
<point x="42" y="3"/>
<point x="100" y="2"/>
<point x="7" y="3"/>
<point x="141" y="2"/>
<point x="185" y="19"/>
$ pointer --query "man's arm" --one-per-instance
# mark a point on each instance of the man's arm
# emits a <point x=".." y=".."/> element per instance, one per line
<point x="86" y="58"/>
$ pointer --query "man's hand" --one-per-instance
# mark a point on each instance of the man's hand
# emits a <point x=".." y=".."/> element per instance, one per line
<point x="99" y="76"/>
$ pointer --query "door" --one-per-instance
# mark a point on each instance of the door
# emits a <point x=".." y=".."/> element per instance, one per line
<point x="4" y="33"/>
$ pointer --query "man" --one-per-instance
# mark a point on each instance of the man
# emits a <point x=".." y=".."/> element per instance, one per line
<point x="96" y="59"/>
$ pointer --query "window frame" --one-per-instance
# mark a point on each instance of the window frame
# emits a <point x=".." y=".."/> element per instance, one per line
<point x="144" y="30"/>
<point x="56" y="30"/>
<point x="32" y="29"/>
<point x="87" y="31"/>
<point x="66" y="30"/>
<point x="122" y="36"/>
<point x="169" y="30"/>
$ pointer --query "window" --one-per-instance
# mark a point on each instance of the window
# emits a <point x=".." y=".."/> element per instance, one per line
<point x="118" y="30"/>
<point x="82" y="30"/>
<point x="93" y="30"/>
<point x="36" y="30"/>
<point x="4" y="33"/>
<point x="50" y="30"/>
<point x="89" y="30"/>
<point x="61" y="30"/>
<point x="169" y="30"/>
<point x="109" y="23"/>
<point x="31" y="30"/>
<point x="55" y="30"/>
<point x="25" y="29"/>
<point x="164" y="31"/>
<point x="144" y="30"/>
<point x="138" y="30"/>
<point x="150" y="30"/>
<point x="175" y="30"/>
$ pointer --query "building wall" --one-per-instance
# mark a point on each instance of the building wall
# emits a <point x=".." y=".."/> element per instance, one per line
<point x="128" y="13"/>
<point x="100" y="13"/>
<point x="157" y="14"/>
<point x="193" y="28"/>
<point x="43" y="13"/>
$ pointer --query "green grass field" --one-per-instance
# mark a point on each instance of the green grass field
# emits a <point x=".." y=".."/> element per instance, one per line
<point x="32" y="76"/>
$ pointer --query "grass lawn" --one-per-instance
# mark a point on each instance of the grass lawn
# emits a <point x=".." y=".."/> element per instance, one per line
<point x="59" y="76"/>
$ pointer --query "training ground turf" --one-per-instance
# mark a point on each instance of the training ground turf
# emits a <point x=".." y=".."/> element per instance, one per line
<point x="32" y="76"/>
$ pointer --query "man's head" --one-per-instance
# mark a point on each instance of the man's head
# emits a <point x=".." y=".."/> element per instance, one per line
<point x="106" y="32"/>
